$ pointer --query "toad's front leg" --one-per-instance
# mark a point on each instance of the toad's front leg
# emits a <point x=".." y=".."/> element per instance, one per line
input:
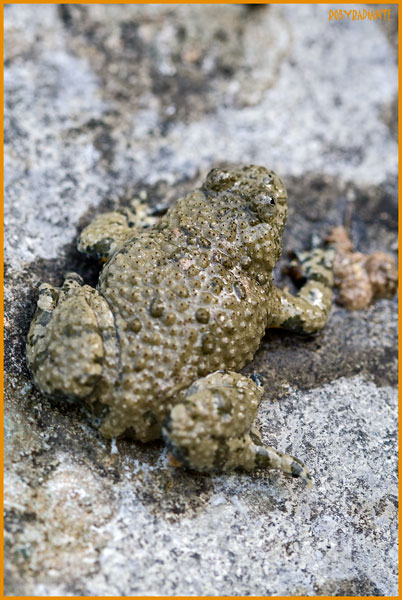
<point x="106" y="232"/>
<point x="308" y="311"/>
<point x="110" y="230"/>
<point x="211" y="428"/>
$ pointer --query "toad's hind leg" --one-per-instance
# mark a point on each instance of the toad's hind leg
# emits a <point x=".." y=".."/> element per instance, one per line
<point x="211" y="428"/>
<point x="308" y="311"/>
<point x="65" y="349"/>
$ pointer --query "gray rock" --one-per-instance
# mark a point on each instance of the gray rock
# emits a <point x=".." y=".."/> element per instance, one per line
<point x="107" y="103"/>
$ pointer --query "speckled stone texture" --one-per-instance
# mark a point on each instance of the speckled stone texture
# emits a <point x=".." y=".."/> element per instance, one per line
<point x="105" y="104"/>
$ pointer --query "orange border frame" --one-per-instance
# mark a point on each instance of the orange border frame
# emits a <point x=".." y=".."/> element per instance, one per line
<point x="336" y="2"/>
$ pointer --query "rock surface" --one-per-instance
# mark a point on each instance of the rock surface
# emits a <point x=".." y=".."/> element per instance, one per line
<point x="109" y="103"/>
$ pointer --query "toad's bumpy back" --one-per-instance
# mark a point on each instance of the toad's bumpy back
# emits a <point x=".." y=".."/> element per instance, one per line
<point x="183" y="308"/>
<point x="179" y="307"/>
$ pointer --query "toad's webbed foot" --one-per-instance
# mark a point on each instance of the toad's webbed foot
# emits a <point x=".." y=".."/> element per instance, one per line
<point x="211" y="429"/>
<point x="308" y="311"/>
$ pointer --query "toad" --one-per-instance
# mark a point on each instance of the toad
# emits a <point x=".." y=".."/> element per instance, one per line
<point x="179" y="310"/>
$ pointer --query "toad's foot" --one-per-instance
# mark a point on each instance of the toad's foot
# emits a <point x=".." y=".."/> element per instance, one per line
<point x="65" y="345"/>
<point x="308" y="311"/>
<point x="269" y="458"/>
<point x="211" y="428"/>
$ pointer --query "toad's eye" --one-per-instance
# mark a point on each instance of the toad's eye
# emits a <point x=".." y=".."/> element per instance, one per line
<point x="264" y="205"/>
<point x="219" y="179"/>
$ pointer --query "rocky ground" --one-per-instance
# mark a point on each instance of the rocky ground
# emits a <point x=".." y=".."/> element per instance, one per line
<point x="109" y="103"/>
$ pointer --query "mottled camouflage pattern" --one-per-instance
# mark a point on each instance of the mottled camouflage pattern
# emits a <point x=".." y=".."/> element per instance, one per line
<point x="210" y="429"/>
<point x="179" y="307"/>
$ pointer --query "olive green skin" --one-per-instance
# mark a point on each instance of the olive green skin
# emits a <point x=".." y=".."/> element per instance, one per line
<point x="188" y="297"/>
<point x="191" y="295"/>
